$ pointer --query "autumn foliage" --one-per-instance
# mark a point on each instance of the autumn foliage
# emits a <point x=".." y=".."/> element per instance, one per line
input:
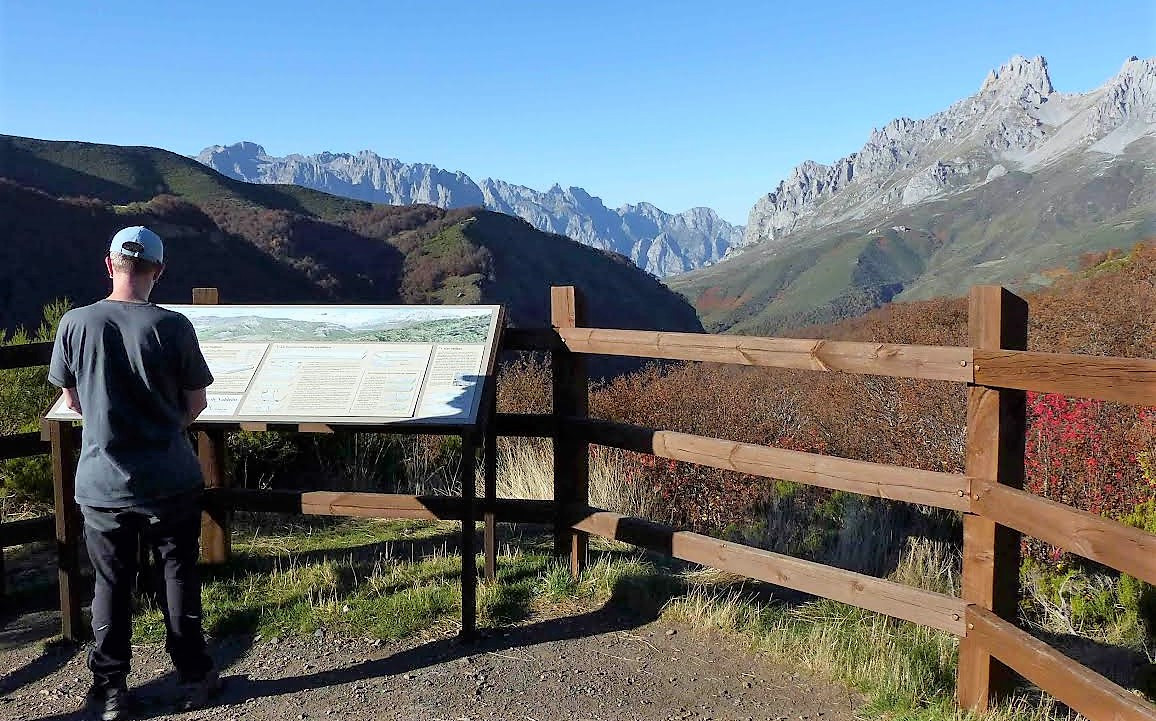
<point x="1090" y="454"/>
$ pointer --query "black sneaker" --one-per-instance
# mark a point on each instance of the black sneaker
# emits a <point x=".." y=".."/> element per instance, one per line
<point x="199" y="694"/>
<point x="112" y="704"/>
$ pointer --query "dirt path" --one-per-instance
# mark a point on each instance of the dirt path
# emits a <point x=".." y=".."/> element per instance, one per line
<point x="595" y="666"/>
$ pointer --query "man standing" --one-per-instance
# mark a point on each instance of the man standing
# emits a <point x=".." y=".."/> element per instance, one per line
<point x="136" y="374"/>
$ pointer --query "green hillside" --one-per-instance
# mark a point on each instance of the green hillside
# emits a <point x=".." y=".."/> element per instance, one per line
<point x="61" y="201"/>
<point x="1005" y="231"/>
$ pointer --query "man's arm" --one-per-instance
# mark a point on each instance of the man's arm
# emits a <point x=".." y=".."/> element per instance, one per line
<point x="194" y="374"/>
<point x="72" y="400"/>
<point x="195" y="403"/>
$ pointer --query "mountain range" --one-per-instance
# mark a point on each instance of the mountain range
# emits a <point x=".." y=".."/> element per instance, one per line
<point x="662" y="243"/>
<point x="1006" y="183"/>
<point x="61" y="201"/>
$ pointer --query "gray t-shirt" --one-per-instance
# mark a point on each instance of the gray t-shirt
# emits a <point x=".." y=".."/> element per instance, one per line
<point x="130" y="364"/>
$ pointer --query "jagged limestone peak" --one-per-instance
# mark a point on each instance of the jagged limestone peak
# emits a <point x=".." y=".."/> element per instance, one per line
<point x="1019" y="74"/>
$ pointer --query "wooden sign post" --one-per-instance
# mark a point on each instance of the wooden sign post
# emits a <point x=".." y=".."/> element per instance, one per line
<point x="216" y="532"/>
<point x="64" y="437"/>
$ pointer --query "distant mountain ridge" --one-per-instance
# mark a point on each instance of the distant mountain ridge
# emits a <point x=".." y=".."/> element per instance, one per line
<point x="662" y="243"/>
<point x="60" y="201"/>
<point x="1011" y="181"/>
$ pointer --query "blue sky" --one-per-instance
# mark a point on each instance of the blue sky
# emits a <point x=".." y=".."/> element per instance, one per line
<point x="676" y="103"/>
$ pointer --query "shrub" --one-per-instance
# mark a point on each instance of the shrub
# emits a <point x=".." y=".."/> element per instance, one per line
<point x="25" y="395"/>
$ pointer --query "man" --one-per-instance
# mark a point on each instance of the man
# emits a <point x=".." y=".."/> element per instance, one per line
<point x="136" y="374"/>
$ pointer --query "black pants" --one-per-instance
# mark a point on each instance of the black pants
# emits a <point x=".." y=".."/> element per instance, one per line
<point x="113" y="536"/>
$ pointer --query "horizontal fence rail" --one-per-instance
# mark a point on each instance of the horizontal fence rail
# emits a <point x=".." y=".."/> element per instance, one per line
<point x="27" y="530"/>
<point x="25" y="355"/>
<point x="20" y="445"/>
<point x="887" y="597"/>
<point x="1100" y="539"/>
<point x="526" y="425"/>
<point x="1081" y="688"/>
<point x="943" y="363"/>
<point x="1124" y="380"/>
<point x="531" y="339"/>
<point x="376" y="505"/>
<point x="929" y="488"/>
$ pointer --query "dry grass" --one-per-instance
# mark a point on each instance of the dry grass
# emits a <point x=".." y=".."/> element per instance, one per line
<point x="526" y="470"/>
<point x="907" y="671"/>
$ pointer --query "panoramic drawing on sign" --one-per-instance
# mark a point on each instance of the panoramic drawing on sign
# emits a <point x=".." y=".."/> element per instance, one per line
<point x="342" y="363"/>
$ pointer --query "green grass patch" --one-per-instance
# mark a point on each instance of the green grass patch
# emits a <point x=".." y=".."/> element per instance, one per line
<point x="385" y="579"/>
<point x="394" y="579"/>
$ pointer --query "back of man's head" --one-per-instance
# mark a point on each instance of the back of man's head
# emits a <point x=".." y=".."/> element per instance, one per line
<point x="136" y="250"/>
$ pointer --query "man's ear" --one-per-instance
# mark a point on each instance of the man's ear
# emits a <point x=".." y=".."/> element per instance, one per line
<point x="108" y="264"/>
<point x="159" y="272"/>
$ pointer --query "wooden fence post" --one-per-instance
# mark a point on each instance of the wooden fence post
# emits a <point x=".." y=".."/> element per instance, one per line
<point x="466" y="474"/>
<point x="490" y="476"/>
<point x="571" y="453"/>
<point x="64" y="439"/>
<point x="216" y="534"/>
<point x="996" y="431"/>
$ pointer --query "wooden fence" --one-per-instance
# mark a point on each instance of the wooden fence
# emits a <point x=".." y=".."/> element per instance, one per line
<point x="997" y="370"/>
<point x="23" y="445"/>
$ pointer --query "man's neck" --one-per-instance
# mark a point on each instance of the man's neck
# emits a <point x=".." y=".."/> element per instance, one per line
<point x="128" y="289"/>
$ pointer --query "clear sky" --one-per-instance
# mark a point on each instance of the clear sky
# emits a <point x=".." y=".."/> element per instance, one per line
<point x="676" y="103"/>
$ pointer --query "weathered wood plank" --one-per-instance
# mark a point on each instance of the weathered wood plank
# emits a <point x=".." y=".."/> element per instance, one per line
<point x="23" y="444"/>
<point x="526" y="425"/>
<point x="206" y="296"/>
<point x="996" y="427"/>
<point x="27" y="530"/>
<point x="893" y="599"/>
<point x="319" y="428"/>
<point x="1081" y="688"/>
<point x="1105" y="541"/>
<point x="381" y="505"/>
<point x="929" y="488"/>
<point x="469" y="538"/>
<point x="216" y="527"/>
<point x="25" y="355"/>
<point x="1123" y="380"/>
<point x="903" y="361"/>
<point x="490" y="479"/>
<point x="571" y="397"/>
<point x="65" y="446"/>
<point x="376" y="505"/>
<point x="531" y="339"/>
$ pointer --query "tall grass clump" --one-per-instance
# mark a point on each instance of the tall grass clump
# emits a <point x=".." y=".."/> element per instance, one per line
<point x="526" y="470"/>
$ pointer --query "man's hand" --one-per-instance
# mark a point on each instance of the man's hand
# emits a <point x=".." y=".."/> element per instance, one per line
<point x="195" y="403"/>
<point x="72" y="401"/>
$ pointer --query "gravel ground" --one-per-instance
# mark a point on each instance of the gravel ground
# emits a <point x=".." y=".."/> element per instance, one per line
<point x="594" y="666"/>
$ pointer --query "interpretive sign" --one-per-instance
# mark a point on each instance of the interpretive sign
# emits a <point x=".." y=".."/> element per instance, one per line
<point x="342" y="364"/>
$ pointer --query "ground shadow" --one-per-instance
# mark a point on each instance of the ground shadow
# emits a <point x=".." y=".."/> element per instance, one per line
<point x="621" y="613"/>
<point x="1116" y="663"/>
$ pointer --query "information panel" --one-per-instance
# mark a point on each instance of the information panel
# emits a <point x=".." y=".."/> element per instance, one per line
<point x="342" y="364"/>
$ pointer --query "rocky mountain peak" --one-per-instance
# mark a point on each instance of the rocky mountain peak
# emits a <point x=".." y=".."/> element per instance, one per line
<point x="1017" y="75"/>
<point x="241" y="158"/>
<point x="1017" y="121"/>
<point x="243" y="149"/>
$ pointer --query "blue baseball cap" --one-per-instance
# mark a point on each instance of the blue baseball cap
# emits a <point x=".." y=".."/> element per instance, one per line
<point x="138" y="242"/>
